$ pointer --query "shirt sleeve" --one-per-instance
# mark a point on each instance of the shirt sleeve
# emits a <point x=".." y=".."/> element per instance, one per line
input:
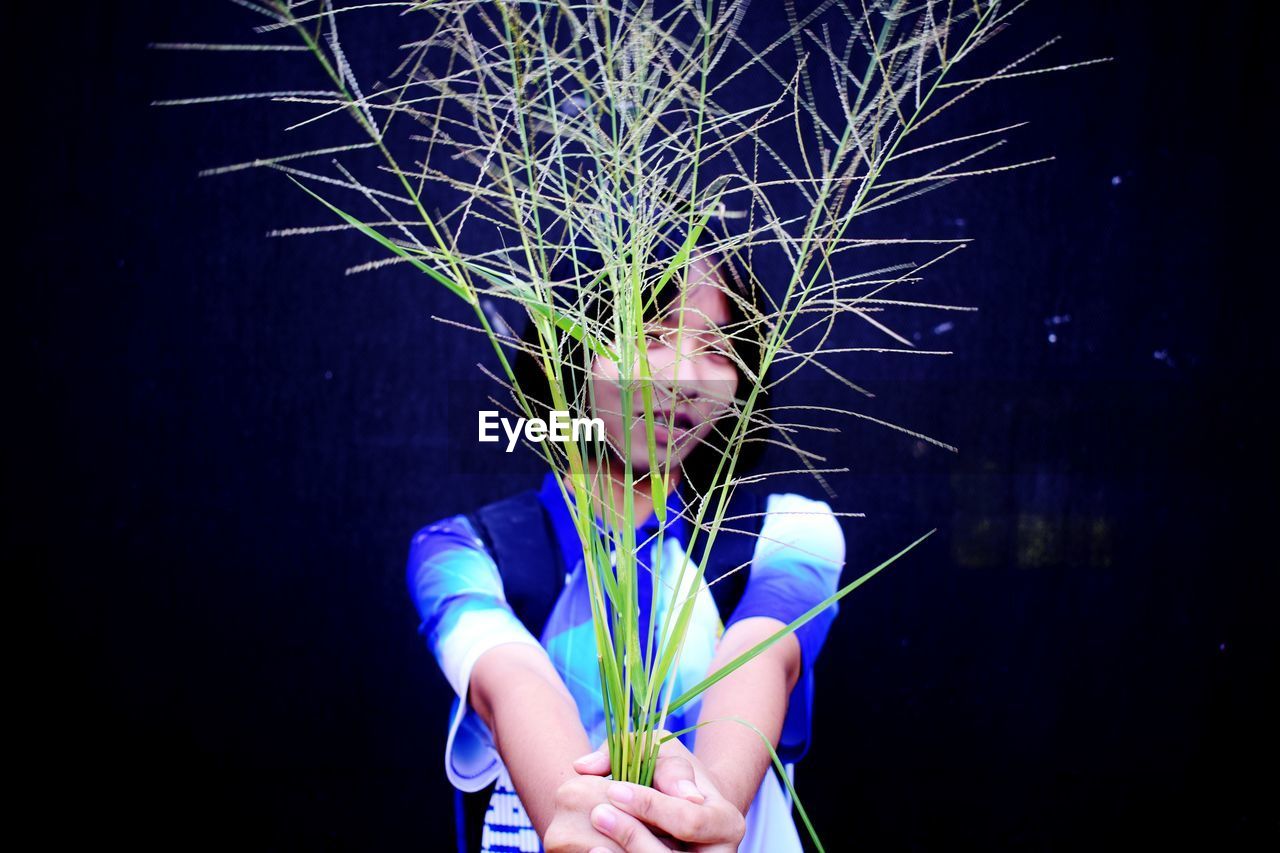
<point x="458" y="592"/>
<point x="796" y="566"/>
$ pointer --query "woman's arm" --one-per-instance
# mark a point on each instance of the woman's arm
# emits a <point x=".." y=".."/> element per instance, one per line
<point x="757" y="692"/>
<point x="796" y="565"/>
<point x="506" y="679"/>
<point x="534" y="721"/>
<point x="535" y="725"/>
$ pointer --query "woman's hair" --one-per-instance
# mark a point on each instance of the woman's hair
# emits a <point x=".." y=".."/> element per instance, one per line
<point x="745" y="334"/>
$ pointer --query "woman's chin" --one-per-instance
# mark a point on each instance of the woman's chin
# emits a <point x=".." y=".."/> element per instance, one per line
<point x="642" y="463"/>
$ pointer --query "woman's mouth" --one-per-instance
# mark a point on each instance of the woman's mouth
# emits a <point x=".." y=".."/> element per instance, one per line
<point x="666" y="423"/>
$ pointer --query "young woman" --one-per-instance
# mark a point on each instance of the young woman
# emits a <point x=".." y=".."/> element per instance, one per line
<point x="528" y="715"/>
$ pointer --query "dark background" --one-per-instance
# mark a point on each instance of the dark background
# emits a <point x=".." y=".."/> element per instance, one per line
<point x="224" y="445"/>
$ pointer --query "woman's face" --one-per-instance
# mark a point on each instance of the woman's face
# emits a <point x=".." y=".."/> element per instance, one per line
<point x="692" y="385"/>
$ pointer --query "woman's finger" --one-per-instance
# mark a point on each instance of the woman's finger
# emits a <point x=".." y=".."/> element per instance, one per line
<point x="593" y="764"/>
<point x="631" y="834"/>
<point x="702" y="824"/>
<point x="673" y="775"/>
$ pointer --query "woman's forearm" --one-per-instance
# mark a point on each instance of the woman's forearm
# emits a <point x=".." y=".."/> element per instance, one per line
<point x="535" y="723"/>
<point x="758" y="692"/>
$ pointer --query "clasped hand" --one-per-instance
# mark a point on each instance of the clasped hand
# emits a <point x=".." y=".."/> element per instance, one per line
<point x="684" y="809"/>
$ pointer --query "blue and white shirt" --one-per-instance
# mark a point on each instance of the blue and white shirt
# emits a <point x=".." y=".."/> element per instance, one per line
<point x="458" y="591"/>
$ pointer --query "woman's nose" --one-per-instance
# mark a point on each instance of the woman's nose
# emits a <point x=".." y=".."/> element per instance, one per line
<point x="684" y="365"/>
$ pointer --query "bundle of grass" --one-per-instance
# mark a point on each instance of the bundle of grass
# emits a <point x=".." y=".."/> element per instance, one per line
<point x="586" y="165"/>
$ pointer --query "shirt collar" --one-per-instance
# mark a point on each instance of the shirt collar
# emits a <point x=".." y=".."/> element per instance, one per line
<point x="567" y="533"/>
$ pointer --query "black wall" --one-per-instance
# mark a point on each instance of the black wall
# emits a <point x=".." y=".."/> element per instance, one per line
<point x="223" y="446"/>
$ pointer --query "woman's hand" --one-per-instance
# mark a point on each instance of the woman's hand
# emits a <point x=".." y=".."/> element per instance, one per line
<point x="571" y="829"/>
<point x="684" y="809"/>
